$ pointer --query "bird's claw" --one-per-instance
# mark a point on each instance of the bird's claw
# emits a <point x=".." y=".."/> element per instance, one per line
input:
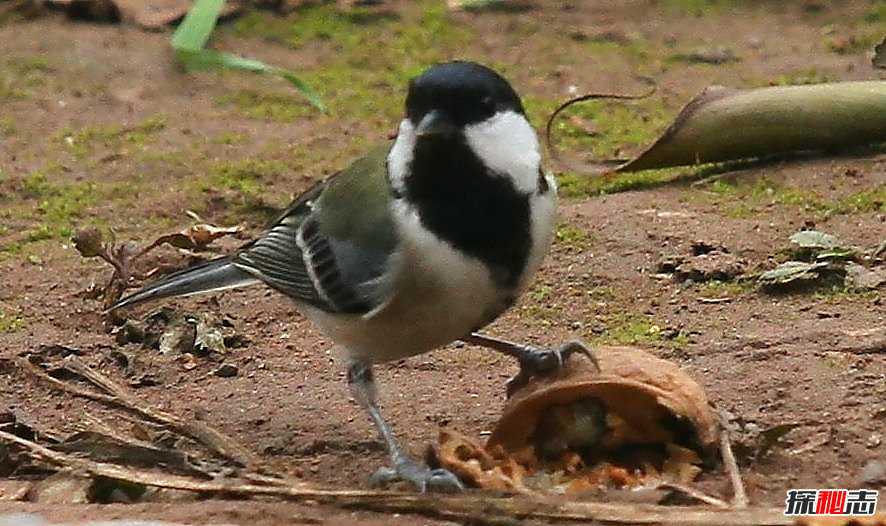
<point x="539" y="362"/>
<point x="419" y="476"/>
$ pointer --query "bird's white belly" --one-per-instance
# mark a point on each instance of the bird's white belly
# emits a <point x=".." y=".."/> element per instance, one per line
<point x="432" y="307"/>
<point x="440" y="295"/>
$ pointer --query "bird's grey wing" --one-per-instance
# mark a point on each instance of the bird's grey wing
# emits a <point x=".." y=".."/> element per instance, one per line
<point x="331" y="247"/>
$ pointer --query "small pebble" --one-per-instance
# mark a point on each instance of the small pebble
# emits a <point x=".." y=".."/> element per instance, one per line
<point x="226" y="370"/>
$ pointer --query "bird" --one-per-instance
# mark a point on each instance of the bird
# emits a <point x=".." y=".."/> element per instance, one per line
<point x="421" y="242"/>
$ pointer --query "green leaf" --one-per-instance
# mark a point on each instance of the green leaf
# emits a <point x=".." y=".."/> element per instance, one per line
<point x="191" y="36"/>
<point x="815" y="240"/>
<point x="194" y="31"/>
<point x="791" y="271"/>
<point x="209" y="59"/>
<point x="837" y="254"/>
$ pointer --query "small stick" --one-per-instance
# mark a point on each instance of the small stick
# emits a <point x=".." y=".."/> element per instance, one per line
<point x="739" y="496"/>
<point x="695" y="494"/>
<point x="115" y="395"/>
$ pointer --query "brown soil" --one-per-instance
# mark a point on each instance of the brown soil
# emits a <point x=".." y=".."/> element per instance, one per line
<point x="813" y="356"/>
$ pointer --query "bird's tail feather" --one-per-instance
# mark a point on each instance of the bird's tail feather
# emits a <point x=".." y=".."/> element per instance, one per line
<point x="218" y="274"/>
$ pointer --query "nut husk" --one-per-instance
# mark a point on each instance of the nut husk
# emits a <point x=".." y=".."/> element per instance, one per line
<point x="658" y="401"/>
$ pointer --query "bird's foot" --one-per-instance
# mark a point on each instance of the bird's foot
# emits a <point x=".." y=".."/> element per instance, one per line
<point x="418" y="475"/>
<point x="539" y="362"/>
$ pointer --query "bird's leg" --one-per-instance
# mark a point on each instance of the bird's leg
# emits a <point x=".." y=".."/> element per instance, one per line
<point x="362" y="385"/>
<point x="533" y="360"/>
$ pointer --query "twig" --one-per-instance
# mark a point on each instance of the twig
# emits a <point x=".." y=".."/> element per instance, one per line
<point x="601" y="166"/>
<point x="739" y="496"/>
<point x="695" y="494"/>
<point x="715" y="300"/>
<point x="469" y="507"/>
<point x="115" y="395"/>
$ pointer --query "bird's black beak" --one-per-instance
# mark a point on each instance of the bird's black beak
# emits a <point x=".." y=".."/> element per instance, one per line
<point x="435" y="123"/>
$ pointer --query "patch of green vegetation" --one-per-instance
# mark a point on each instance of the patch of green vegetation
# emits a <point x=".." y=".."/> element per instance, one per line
<point x="10" y="322"/>
<point x="630" y="329"/>
<point x="32" y="64"/>
<point x="19" y="74"/>
<point x="371" y="55"/>
<point x="744" y="199"/>
<point x="10" y="249"/>
<point x="634" y="49"/>
<point x="838" y="293"/>
<point x="621" y="127"/>
<point x="244" y="175"/>
<point x="722" y="289"/>
<point x="803" y="77"/>
<point x="230" y="138"/>
<point x="7" y="126"/>
<point x="540" y="292"/>
<point x="10" y="90"/>
<point x="244" y="182"/>
<point x="83" y="142"/>
<point x="276" y="107"/>
<point x="614" y="126"/>
<point x="699" y="7"/>
<point x="571" y="184"/>
<point x="58" y="206"/>
<point x="873" y="200"/>
<point x="569" y="236"/>
<point x="877" y="13"/>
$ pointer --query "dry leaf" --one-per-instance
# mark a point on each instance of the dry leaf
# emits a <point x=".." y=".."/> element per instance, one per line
<point x="196" y="237"/>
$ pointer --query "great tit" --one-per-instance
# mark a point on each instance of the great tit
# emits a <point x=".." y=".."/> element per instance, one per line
<point x="417" y="244"/>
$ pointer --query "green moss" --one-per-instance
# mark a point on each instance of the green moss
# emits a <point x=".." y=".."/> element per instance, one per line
<point x="873" y="200"/>
<point x="230" y="138"/>
<point x="10" y="322"/>
<point x="31" y="64"/>
<point x="9" y="249"/>
<point x="245" y="175"/>
<point x="838" y="294"/>
<point x="19" y="75"/>
<point x="877" y="13"/>
<point x="7" y="127"/>
<point x="571" y="237"/>
<point x="244" y="184"/>
<point x="698" y="8"/>
<point x="540" y="292"/>
<point x="743" y="199"/>
<point x="277" y="107"/>
<point x="616" y="127"/>
<point x="721" y="289"/>
<point x="367" y="57"/>
<point x="53" y="207"/>
<point x="82" y="143"/>
<point x="10" y="89"/>
<point x="630" y="329"/>
<point x="570" y="184"/>
<point x="803" y="76"/>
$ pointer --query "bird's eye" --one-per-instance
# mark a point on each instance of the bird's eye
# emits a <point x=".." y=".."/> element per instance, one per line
<point x="488" y="103"/>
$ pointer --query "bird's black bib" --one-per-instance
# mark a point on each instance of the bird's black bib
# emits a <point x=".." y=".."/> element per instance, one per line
<point x="477" y="211"/>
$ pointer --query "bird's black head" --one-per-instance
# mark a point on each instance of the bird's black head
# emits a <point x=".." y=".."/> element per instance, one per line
<point x="453" y="95"/>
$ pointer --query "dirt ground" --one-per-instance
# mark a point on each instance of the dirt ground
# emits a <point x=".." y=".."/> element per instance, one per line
<point x="97" y="127"/>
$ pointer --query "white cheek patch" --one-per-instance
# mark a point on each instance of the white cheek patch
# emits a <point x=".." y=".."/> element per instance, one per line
<point x="507" y="144"/>
<point x="400" y="156"/>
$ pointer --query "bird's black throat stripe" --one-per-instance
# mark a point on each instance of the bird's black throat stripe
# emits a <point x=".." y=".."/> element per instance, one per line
<point x="478" y="212"/>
